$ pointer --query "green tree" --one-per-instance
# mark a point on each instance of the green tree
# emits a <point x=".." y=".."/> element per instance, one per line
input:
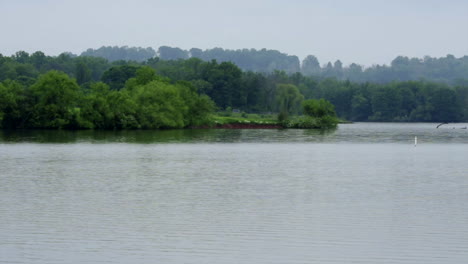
<point x="22" y="56"/>
<point x="361" y="108"/>
<point x="226" y="83"/>
<point x="123" y="110"/>
<point x="318" y="114"/>
<point x="39" y="60"/>
<point x="91" y="68"/>
<point x="198" y="107"/>
<point x="318" y="108"/>
<point x="96" y="107"/>
<point x="12" y="104"/>
<point x="311" y="65"/>
<point x="385" y="101"/>
<point x="462" y="97"/>
<point x="159" y="105"/>
<point x="116" y="76"/>
<point x="288" y="99"/>
<point x="446" y="108"/>
<point x="82" y="73"/>
<point x="56" y="100"/>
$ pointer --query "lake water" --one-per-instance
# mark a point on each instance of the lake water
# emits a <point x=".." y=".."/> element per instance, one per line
<point x="362" y="193"/>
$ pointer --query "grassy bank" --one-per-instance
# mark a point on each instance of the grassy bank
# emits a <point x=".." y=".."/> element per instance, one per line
<point x="244" y="120"/>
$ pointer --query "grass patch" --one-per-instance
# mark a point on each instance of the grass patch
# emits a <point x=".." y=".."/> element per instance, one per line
<point x="308" y="122"/>
<point x="243" y="118"/>
<point x="301" y="122"/>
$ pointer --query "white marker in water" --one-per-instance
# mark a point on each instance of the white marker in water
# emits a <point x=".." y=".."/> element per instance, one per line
<point x="415" y="141"/>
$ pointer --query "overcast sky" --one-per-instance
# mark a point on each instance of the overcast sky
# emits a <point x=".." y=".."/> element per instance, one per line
<point x="362" y="31"/>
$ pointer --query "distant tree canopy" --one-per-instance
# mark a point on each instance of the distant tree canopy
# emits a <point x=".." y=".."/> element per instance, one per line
<point x="168" y="53"/>
<point x="121" y="53"/>
<point x="447" y="69"/>
<point x="251" y="60"/>
<point x="91" y="92"/>
<point x="311" y="66"/>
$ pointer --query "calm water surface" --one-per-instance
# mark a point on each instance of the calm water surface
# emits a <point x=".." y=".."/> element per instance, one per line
<point x="359" y="194"/>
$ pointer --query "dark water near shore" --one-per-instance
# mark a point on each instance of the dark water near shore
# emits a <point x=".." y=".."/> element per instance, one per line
<point x="359" y="194"/>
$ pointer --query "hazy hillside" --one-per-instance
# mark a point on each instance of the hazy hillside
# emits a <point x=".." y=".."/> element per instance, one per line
<point x="447" y="69"/>
<point x="121" y="53"/>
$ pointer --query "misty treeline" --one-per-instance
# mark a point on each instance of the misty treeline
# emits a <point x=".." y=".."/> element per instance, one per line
<point x="447" y="69"/>
<point x="39" y="91"/>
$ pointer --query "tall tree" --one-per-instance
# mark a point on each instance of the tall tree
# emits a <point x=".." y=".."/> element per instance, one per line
<point x="83" y="73"/>
<point x="311" y="65"/>
<point x="288" y="99"/>
<point x="56" y="97"/>
<point x="116" y="76"/>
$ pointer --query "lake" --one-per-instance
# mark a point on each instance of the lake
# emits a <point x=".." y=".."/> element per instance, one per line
<point x="363" y="193"/>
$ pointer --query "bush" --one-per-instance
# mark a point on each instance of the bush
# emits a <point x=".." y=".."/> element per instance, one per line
<point x="318" y="114"/>
<point x="318" y="108"/>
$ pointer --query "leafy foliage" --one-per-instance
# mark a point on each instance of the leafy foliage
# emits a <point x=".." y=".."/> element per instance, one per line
<point x="68" y="89"/>
<point x="318" y="108"/>
<point x="288" y="99"/>
<point x="116" y="76"/>
<point x="318" y="114"/>
<point x="54" y="100"/>
<point x="57" y="101"/>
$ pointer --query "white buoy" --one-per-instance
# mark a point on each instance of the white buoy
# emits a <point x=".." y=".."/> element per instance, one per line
<point x="415" y="141"/>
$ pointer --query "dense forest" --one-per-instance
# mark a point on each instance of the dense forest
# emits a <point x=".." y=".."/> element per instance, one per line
<point x="40" y="91"/>
<point x="447" y="69"/>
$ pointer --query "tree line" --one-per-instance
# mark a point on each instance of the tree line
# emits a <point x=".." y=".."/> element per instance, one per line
<point x="39" y="91"/>
<point x="55" y="101"/>
<point x="405" y="101"/>
<point x="447" y="69"/>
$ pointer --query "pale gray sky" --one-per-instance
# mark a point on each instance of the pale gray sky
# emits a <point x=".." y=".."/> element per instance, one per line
<point x="362" y="31"/>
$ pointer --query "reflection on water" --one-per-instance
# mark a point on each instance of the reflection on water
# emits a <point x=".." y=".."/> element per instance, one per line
<point x="358" y="194"/>
<point x="346" y="133"/>
<point x="162" y="136"/>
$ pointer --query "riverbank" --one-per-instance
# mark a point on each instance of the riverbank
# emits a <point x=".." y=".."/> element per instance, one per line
<point x="243" y="121"/>
<point x="254" y="121"/>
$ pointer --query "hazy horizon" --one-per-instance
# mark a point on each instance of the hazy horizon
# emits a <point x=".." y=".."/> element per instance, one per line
<point x="364" y="32"/>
